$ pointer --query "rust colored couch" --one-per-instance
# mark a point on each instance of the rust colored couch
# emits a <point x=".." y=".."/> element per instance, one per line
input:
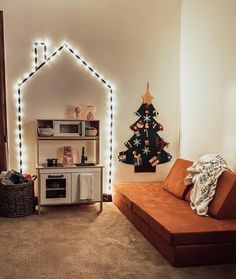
<point x="161" y="213"/>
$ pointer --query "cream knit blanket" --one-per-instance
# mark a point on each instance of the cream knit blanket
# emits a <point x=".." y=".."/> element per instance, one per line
<point x="204" y="174"/>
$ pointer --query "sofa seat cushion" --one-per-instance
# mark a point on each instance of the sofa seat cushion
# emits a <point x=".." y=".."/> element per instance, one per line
<point x="118" y="193"/>
<point x="127" y="192"/>
<point x="172" y="218"/>
<point x="174" y="182"/>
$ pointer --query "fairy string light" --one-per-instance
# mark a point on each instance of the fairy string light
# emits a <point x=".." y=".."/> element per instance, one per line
<point x="37" y="67"/>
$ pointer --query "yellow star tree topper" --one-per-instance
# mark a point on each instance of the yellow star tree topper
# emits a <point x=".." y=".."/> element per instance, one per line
<point x="147" y="98"/>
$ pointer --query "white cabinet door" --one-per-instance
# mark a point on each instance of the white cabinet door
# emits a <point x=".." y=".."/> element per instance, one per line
<point x="76" y="189"/>
<point x="55" y="188"/>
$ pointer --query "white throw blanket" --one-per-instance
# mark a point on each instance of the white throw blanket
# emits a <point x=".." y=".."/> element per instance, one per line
<point x="86" y="186"/>
<point x="204" y="174"/>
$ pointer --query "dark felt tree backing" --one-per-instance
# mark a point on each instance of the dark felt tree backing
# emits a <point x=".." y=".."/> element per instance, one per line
<point x="145" y="149"/>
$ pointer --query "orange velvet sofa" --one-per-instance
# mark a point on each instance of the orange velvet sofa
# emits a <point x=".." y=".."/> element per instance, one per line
<point x="161" y="211"/>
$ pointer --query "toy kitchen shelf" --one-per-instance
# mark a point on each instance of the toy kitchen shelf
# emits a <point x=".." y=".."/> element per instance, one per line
<point x="68" y="182"/>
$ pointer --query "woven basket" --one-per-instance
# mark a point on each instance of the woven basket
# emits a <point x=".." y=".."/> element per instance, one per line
<point x="17" y="200"/>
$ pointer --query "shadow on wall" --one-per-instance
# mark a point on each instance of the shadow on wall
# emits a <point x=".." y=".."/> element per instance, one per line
<point x="228" y="128"/>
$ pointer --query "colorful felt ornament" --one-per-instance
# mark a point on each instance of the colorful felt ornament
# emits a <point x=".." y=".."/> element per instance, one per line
<point x="146" y="142"/>
<point x="154" y="161"/>
<point x="137" y="159"/>
<point x="160" y="127"/>
<point x="128" y="144"/>
<point x="140" y="124"/>
<point x="155" y="113"/>
<point x="146" y="129"/>
<point x="137" y="133"/>
<point x="134" y="127"/>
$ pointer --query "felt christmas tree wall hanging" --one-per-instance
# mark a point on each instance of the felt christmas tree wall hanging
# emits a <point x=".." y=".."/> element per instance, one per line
<point x="145" y="147"/>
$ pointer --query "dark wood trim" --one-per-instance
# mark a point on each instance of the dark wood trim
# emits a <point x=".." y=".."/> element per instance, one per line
<point x="3" y="110"/>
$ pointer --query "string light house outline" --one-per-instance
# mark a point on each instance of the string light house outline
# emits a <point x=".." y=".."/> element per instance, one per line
<point x="37" y="67"/>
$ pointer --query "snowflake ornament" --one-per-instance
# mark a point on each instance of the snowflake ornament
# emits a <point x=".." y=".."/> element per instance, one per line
<point x="146" y="118"/>
<point x="146" y="150"/>
<point x="137" y="142"/>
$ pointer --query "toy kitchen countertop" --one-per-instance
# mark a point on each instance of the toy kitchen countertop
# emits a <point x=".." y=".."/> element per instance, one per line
<point x="76" y="165"/>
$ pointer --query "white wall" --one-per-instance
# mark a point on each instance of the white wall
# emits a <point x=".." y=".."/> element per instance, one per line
<point x="208" y="78"/>
<point x="129" y="42"/>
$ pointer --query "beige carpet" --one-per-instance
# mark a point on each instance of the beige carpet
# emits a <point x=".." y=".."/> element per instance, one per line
<point x="73" y="242"/>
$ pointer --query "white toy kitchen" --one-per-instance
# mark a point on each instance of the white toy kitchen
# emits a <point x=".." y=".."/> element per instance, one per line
<point x="68" y="162"/>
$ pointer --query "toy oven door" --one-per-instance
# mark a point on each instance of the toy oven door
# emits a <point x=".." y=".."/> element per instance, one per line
<point x="55" y="188"/>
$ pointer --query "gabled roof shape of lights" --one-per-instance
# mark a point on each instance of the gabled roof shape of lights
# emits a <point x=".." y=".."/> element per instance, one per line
<point x="37" y="67"/>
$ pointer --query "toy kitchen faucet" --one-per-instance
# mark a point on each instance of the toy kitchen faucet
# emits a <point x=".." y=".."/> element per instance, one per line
<point x="83" y="157"/>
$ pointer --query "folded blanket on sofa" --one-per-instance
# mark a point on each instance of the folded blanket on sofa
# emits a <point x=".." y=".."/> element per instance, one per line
<point x="204" y="174"/>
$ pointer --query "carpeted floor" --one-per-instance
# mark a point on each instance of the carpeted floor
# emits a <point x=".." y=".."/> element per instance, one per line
<point x="74" y="242"/>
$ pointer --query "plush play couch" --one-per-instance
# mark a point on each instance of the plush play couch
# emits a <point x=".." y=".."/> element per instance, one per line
<point x="161" y="211"/>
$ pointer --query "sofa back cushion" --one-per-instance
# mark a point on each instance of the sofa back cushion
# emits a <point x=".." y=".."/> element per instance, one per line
<point x="223" y="205"/>
<point x="174" y="182"/>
